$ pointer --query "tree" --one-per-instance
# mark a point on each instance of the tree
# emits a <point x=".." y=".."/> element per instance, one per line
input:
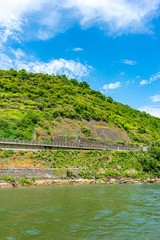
<point x="74" y="82"/>
<point x="84" y="84"/>
<point x="23" y="74"/>
<point x="109" y="99"/>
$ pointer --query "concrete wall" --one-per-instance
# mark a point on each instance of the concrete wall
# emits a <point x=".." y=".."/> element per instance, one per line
<point x="28" y="173"/>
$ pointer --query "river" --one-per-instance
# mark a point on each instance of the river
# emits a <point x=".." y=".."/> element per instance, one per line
<point x="81" y="212"/>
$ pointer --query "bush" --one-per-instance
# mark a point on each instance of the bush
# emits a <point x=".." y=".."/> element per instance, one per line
<point x="86" y="131"/>
<point x="33" y="179"/>
<point x="85" y="175"/>
<point x="112" y="173"/>
<point x="21" y="153"/>
<point x="70" y="174"/>
<point x="7" y="178"/>
<point x="24" y="180"/>
<point x="8" y="153"/>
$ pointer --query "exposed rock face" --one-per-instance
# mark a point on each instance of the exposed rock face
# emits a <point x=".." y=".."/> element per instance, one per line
<point x="4" y="184"/>
<point x="119" y="167"/>
<point x="132" y="171"/>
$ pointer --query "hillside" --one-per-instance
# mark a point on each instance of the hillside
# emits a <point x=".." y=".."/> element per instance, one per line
<point x="98" y="164"/>
<point x="46" y="107"/>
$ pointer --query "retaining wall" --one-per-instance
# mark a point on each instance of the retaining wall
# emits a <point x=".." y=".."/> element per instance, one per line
<point x="28" y="173"/>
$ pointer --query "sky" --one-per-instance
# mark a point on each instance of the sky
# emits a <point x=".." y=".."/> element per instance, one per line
<point x="112" y="45"/>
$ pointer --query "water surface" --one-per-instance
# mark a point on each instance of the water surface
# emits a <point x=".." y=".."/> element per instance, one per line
<point x="81" y="212"/>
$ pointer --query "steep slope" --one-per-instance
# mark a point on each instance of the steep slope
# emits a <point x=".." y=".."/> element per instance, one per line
<point x="45" y="107"/>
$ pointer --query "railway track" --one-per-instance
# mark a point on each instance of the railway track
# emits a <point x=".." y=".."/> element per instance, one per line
<point x="35" y="145"/>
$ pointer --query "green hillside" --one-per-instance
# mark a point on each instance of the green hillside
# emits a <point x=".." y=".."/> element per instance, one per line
<point x="41" y="106"/>
<point x="99" y="164"/>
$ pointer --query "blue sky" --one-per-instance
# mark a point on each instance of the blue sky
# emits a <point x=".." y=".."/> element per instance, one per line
<point x="113" y="45"/>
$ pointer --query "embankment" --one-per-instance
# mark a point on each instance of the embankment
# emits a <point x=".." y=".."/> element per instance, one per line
<point x="45" y="167"/>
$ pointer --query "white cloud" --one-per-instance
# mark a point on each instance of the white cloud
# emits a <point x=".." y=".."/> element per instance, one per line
<point x="77" y="49"/>
<point x="60" y="66"/>
<point x="18" y="53"/>
<point x="45" y="18"/>
<point x="129" y="62"/>
<point x="153" y="78"/>
<point x="44" y="35"/>
<point x="144" y="82"/>
<point x="118" y="16"/>
<point x="15" y="15"/>
<point x="111" y="86"/>
<point x="155" y="98"/>
<point x="5" y="62"/>
<point x="11" y="20"/>
<point x="154" y="111"/>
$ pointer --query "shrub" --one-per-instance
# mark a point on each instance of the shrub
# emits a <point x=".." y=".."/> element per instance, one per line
<point x="85" y="175"/>
<point x="21" y="153"/>
<point x="7" y="178"/>
<point x="24" y="180"/>
<point x="7" y="153"/>
<point x="33" y="179"/>
<point x="112" y="173"/>
<point x="86" y="131"/>
<point x="70" y="174"/>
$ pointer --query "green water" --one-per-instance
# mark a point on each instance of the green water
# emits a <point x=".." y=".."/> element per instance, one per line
<point x="81" y="212"/>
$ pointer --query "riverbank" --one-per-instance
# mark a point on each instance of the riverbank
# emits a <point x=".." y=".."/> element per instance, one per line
<point x="111" y="180"/>
<point x="21" y="168"/>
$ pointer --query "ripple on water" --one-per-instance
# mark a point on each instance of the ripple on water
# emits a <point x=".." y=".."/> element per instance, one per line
<point x="10" y="238"/>
<point x="31" y="232"/>
<point x="103" y="212"/>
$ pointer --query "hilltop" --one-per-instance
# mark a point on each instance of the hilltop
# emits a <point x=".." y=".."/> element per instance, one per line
<point x="46" y="107"/>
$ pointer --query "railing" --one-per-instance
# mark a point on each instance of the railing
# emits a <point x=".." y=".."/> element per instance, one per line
<point x="64" y="145"/>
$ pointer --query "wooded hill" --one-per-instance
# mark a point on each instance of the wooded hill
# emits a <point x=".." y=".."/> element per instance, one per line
<point x="41" y="107"/>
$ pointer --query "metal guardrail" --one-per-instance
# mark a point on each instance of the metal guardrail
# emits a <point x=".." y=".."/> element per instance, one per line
<point x="64" y="145"/>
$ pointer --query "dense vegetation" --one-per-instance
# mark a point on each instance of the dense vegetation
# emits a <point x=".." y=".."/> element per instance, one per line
<point x="99" y="164"/>
<point x="31" y="101"/>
